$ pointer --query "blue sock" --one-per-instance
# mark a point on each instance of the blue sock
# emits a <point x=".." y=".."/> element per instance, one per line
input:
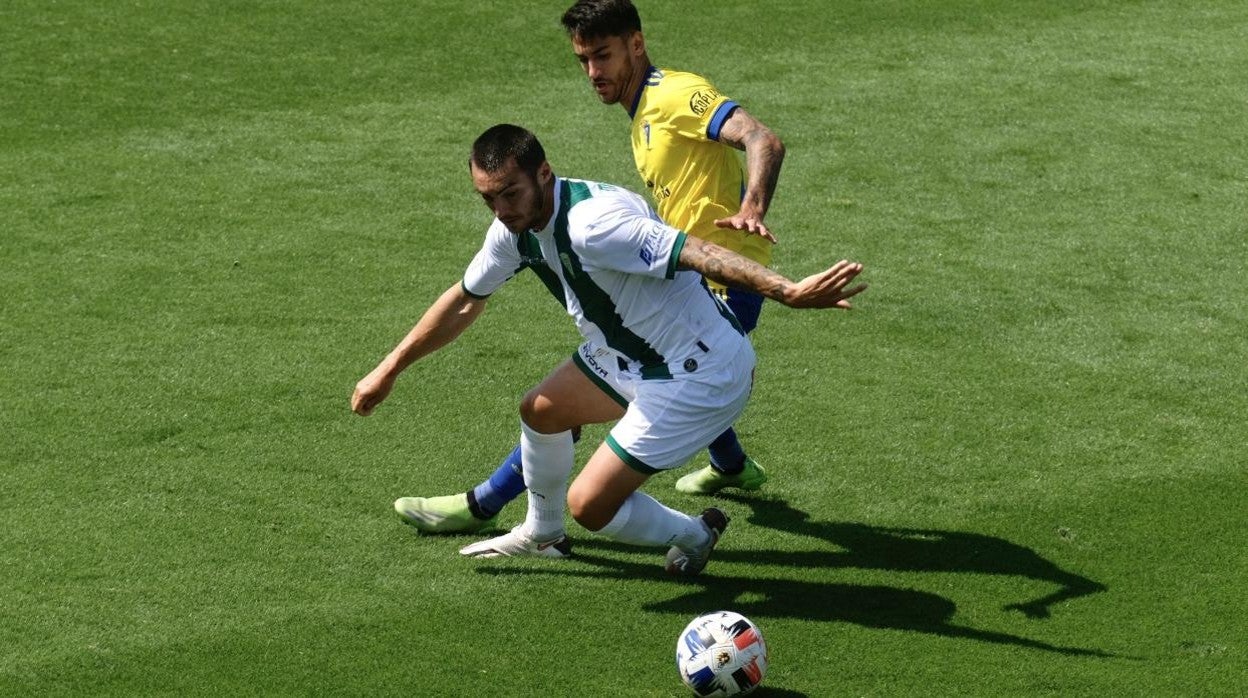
<point x="727" y="456"/>
<point x="488" y="498"/>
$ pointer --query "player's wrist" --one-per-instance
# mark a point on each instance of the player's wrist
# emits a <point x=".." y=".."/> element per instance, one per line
<point x="391" y="366"/>
<point x="753" y="211"/>
<point x="786" y="294"/>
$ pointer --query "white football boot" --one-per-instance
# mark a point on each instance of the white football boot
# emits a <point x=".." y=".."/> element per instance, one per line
<point x="516" y="543"/>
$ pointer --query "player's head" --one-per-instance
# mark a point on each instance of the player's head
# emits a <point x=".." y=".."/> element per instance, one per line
<point x="606" y="38"/>
<point x="593" y="19"/>
<point x="510" y="172"/>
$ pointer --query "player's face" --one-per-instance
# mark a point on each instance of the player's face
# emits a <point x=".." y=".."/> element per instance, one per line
<point x="517" y="198"/>
<point x="612" y="64"/>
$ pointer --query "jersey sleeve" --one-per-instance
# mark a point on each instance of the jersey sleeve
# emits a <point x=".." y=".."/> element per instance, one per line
<point x="696" y="109"/>
<point x="627" y="239"/>
<point x="494" y="264"/>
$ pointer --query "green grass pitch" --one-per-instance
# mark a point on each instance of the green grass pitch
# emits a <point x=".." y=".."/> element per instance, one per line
<point x="1016" y="468"/>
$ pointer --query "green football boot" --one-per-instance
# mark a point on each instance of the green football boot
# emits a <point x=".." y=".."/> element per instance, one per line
<point x="446" y="514"/>
<point x="709" y="480"/>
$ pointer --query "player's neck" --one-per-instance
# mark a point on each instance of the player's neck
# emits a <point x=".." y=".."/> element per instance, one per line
<point x="548" y="202"/>
<point x="632" y="93"/>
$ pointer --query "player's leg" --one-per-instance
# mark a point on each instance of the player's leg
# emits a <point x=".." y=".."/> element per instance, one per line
<point x="478" y="508"/>
<point x="730" y="465"/>
<point x="502" y="486"/>
<point x="474" y="510"/>
<point x="666" y="424"/>
<point x="605" y="498"/>
<point x="565" y="399"/>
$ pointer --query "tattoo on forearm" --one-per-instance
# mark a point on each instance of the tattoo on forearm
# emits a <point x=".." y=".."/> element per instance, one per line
<point x="765" y="166"/>
<point x="764" y="156"/>
<point x="731" y="269"/>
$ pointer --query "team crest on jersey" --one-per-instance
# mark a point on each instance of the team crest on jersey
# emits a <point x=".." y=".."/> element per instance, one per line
<point x="700" y="101"/>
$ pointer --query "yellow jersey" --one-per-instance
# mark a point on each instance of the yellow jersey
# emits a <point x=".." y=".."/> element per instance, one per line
<point x="692" y="176"/>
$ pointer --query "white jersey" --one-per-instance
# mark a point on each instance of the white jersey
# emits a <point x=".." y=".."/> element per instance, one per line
<point x="612" y="263"/>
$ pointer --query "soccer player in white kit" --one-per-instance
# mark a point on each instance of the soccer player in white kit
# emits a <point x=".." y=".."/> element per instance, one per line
<point x="662" y="355"/>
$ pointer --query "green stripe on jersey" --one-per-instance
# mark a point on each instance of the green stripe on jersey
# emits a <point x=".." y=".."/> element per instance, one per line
<point x="724" y="310"/>
<point x="531" y="253"/>
<point x="675" y="258"/>
<point x="595" y="302"/>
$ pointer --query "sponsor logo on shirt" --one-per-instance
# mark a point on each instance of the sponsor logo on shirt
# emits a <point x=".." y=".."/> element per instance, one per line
<point x="700" y="101"/>
<point x="658" y="192"/>
<point x="593" y="362"/>
<point x="530" y="250"/>
<point x="650" y="247"/>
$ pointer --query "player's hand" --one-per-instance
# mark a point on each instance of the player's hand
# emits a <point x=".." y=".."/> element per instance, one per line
<point x="827" y="289"/>
<point x="748" y="222"/>
<point x="370" y="391"/>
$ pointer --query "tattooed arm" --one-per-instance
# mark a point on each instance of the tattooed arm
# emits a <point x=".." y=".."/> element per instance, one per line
<point x="764" y="153"/>
<point x="826" y="289"/>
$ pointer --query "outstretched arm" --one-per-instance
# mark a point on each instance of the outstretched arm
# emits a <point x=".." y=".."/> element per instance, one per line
<point x="827" y="289"/>
<point x="764" y="153"/>
<point x="445" y="320"/>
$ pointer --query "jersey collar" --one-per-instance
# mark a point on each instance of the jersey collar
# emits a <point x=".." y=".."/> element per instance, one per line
<point x="557" y="184"/>
<point x="632" y="112"/>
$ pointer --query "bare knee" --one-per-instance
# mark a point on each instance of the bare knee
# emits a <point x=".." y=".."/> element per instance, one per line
<point x="589" y="509"/>
<point x="542" y="414"/>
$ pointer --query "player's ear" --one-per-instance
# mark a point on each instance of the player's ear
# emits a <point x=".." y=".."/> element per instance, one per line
<point x="544" y="173"/>
<point x="637" y="44"/>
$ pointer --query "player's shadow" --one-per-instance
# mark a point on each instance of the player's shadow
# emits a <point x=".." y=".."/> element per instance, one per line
<point x="866" y="547"/>
<point x="911" y="550"/>
<point x="879" y="607"/>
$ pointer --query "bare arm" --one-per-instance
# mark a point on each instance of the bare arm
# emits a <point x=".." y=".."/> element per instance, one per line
<point x="764" y="153"/>
<point x="445" y="320"/>
<point x="826" y="289"/>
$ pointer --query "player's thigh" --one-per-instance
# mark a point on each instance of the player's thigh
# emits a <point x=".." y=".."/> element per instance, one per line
<point x="567" y="398"/>
<point x="600" y="489"/>
<point x="669" y="421"/>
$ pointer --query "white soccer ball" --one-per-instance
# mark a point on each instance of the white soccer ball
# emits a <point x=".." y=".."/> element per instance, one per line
<point x="721" y="654"/>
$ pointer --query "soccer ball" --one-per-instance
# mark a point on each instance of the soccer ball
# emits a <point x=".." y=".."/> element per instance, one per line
<point x="721" y="654"/>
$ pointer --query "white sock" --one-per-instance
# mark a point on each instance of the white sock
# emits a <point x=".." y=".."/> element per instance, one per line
<point x="548" y="460"/>
<point x="643" y="520"/>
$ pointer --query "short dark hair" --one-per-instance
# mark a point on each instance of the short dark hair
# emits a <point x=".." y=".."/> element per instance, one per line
<point x="499" y="144"/>
<point x="594" y="19"/>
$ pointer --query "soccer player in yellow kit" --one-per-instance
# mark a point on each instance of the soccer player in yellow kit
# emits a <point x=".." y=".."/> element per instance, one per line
<point x="685" y="137"/>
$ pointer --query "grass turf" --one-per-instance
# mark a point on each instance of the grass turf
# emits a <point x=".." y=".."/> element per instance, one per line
<point x="218" y="216"/>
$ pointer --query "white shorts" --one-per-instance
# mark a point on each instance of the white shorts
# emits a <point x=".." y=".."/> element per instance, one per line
<point x="667" y="421"/>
